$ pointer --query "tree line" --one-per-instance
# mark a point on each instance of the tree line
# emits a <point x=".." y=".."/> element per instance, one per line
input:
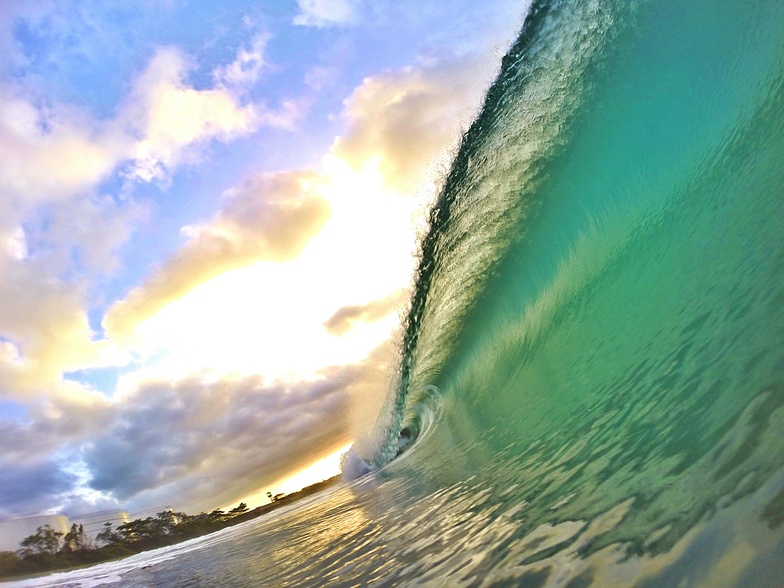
<point x="48" y="550"/>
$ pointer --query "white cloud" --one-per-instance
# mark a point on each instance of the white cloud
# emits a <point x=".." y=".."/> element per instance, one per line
<point x="170" y="117"/>
<point x="247" y="66"/>
<point x="44" y="325"/>
<point x="51" y="152"/>
<point x="55" y="151"/>
<point x="93" y="228"/>
<point x="10" y="14"/>
<point x="327" y="13"/>
<point x="405" y="123"/>
<point x="320" y="77"/>
<point x="13" y="243"/>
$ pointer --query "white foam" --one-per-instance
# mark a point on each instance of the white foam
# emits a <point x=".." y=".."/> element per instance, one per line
<point x="354" y="466"/>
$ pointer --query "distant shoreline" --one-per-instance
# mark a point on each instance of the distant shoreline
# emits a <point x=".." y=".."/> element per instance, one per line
<point x="14" y="568"/>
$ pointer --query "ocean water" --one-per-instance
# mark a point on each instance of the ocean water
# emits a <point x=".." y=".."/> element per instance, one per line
<point x="592" y="372"/>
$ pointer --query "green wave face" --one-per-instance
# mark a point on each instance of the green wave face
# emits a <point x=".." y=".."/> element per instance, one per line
<point x="601" y="296"/>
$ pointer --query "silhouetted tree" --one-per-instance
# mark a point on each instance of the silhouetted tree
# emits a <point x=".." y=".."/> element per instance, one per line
<point x="45" y="540"/>
<point x="138" y="529"/>
<point x="165" y="521"/>
<point x="46" y="549"/>
<point x="76" y="539"/>
<point x="108" y="536"/>
<point x="238" y="510"/>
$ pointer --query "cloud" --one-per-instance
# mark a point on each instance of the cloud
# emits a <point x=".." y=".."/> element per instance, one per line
<point x="55" y="231"/>
<point x="327" y="13"/>
<point x="168" y="439"/>
<point x="320" y="77"/>
<point x="51" y="152"/>
<point x="407" y="122"/>
<point x="45" y="330"/>
<point x="44" y="284"/>
<point x="10" y="15"/>
<point x="344" y="318"/>
<point x="187" y="438"/>
<point x="170" y="116"/>
<point x="57" y="424"/>
<point x="268" y="217"/>
<point x="30" y="486"/>
<point x="55" y="150"/>
<point x="246" y="67"/>
<point x="89" y="230"/>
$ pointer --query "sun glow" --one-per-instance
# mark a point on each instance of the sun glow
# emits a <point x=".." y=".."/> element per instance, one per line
<point x="268" y="318"/>
<point x="322" y="469"/>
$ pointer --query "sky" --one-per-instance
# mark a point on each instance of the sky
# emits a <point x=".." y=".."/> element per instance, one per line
<point x="209" y="217"/>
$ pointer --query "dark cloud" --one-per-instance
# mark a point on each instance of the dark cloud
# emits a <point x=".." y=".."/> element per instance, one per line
<point x="49" y="427"/>
<point x="37" y="450"/>
<point x="32" y="486"/>
<point x="26" y="441"/>
<point x="343" y="320"/>
<point x="190" y="444"/>
<point x="213" y="443"/>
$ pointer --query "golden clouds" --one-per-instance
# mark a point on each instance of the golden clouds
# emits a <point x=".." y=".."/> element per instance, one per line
<point x="344" y="319"/>
<point x="269" y="217"/>
<point x="171" y="437"/>
<point x="46" y="330"/>
<point x="406" y="122"/>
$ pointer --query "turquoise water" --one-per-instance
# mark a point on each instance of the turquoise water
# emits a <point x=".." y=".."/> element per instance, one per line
<point x="593" y="367"/>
